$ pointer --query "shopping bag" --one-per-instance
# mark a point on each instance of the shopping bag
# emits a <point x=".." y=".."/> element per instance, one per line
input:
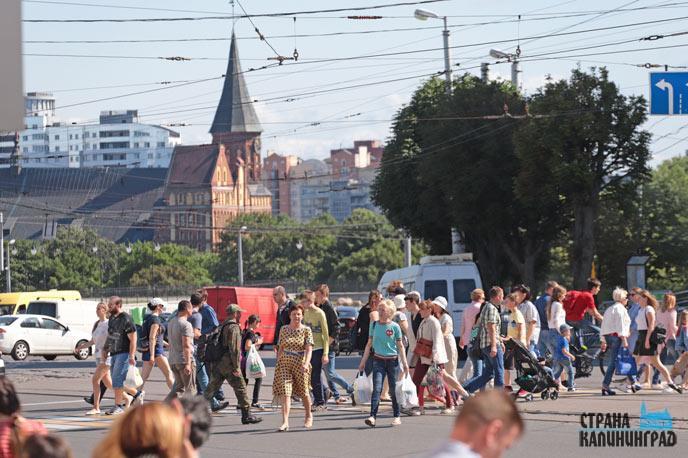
<point x="625" y="363"/>
<point x="133" y="379"/>
<point x="363" y="388"/>
<point x="435" y="381"/>
<point x="406" y="393"/>
<point x="255" y="368"/>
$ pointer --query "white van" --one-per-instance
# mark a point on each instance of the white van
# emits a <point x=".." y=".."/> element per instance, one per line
<point x="452" y="276"/>
<point x="77" y="315"/>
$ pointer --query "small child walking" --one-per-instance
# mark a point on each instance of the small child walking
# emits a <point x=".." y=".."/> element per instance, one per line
<point x="562" y="357"/>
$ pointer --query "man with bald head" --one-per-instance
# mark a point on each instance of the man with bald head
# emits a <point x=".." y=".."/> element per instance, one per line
<point x="284" y="305"/>
<point x="121" y="347"/>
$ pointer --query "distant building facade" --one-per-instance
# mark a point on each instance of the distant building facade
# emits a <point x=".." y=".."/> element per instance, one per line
<point x="117" y="140"/>
<point x="338" y="185"/>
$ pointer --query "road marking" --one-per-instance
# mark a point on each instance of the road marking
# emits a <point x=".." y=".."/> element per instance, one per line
<point x="51" y="403"/>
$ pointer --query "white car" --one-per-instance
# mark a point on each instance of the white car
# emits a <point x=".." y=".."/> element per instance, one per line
<point x="24" y="335"/>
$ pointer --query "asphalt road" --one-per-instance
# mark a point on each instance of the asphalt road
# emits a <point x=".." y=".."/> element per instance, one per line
<point x="52" y="391"/>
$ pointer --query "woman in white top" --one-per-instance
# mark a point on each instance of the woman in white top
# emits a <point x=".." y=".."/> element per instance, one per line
<point x="645" y="347"/>
<point x="102" y="373"/>
<point x="439" y="310"/>
<point x="556" y="316"/>
<point x="615" y="329"/>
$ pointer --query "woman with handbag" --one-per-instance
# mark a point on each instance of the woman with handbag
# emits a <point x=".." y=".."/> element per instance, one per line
<point x="649" y="338"/>
<point x="615" y="329"/>
<point x="431" y="351"/>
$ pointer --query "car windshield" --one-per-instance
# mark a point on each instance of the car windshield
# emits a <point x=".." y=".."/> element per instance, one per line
<point x="7" y="309"/>
<point x="7" y="320"/>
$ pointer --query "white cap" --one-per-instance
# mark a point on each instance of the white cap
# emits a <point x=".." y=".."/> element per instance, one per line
<point x="441" y="302"/>
<point x="399" y="301"/>
<point x="157" y="301"/>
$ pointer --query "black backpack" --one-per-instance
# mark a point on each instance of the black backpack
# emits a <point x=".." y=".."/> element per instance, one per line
<point x="214" y="346"/>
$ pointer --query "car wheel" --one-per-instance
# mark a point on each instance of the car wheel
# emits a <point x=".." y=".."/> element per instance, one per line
<point x="84" y="352"/>
<point x="20" y="351"/>
<point x="50" y="357"/>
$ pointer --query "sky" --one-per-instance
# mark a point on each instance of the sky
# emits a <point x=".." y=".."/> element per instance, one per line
<point x="309" y="107"/>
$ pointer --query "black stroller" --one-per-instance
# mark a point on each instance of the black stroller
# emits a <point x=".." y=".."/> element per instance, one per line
<point x="531" y="375"/>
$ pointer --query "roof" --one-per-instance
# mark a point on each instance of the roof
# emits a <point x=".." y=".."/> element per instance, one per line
<point x="193" y="164"/>
<point x="235" y="111"/>
<point x="107" y="200"/>
<point x="258" y="190"/>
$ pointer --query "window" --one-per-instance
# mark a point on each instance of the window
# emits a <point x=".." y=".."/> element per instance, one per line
<point x="146" y="145"/>
<point x="25" y="149"/>
<point x="87" y="146"/>
<point x="138" y="133"/>
<point x="76" y="136"/>
<point x="161" y="144"/>
<point x="57" y="137"/>
<point x="114" y="145"/>
<point x="71" y="136"/>
<point x="53" y="325"/>
<point x="87" y="135"/>
<point x="30" y="323"/>
<point x="136" y="144"/>
<point x="462" y="290"/>
<point x="434" y="288"/>
<point x="57" y="149"/>
<point x="150" y="155"/>
<point x="26" y="138"/>
<point x="114" y="133"/>
<point x="7" y="320"/>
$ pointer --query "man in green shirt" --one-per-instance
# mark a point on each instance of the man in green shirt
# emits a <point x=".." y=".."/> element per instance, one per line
<point x="228" y="368"/>
<point x="315" y="319"/>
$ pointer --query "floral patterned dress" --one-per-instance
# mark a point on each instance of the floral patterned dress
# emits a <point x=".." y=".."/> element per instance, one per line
<point x="290" y="378"/>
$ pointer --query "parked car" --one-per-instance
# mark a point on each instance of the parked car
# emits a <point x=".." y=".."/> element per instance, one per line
<point x="24" y="335"/>
<point x="347" y="323"/>
<point x="15" y="303"/>
<point x="77" y="315"/>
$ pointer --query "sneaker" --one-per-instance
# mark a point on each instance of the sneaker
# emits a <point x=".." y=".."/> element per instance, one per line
<point x="521" y="393"/>
<point x="573" y="388"/>
<point x="396" y="421"/>
<point x="93" y="412"/>
<point x="138" y="397"/>
<point x="370" y="421"/>
<point x="447" y="411"/>
<point x="421" y="411"/>
<point x="319" y="408"/>
<point x="216" y="407"/>
<point x="116" y="410"/>
<point x="410" y="412"/>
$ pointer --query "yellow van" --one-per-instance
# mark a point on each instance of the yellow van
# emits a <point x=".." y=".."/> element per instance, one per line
<point x="14" y="303"/>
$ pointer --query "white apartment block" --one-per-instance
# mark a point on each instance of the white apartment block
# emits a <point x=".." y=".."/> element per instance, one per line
<point x="118" y="140"/>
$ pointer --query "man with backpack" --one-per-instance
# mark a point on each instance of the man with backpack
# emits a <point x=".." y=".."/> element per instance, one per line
<point x="223" y="351"/>
<point x="204" y="321"/>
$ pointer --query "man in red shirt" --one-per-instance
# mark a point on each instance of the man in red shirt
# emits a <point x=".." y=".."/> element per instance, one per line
<point x="583" y="303"/>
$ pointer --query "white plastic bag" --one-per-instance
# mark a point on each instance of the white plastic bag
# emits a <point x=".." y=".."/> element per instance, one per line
<point x="363" y="388"/>
<point x="407" y="397"/>
<point x="133" y="379"/>
<point x="255" y="368"/>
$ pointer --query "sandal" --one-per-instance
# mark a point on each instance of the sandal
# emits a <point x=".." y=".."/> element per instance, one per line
<point x="341" y="400"/>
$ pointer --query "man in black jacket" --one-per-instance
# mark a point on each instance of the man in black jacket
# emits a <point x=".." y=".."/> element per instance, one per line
<point x="322" y="294"/>
<point x="284" y="305"/>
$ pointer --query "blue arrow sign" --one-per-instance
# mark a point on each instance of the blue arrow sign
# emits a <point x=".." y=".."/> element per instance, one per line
<point x="669" y="93"/>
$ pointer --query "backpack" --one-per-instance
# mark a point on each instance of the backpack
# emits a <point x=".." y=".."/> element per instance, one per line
<point x="569" y="300"/>
<point x="214" y="347"/>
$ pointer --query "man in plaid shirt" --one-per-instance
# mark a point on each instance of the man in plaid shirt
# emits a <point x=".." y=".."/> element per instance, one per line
<point x="491" y="345"/>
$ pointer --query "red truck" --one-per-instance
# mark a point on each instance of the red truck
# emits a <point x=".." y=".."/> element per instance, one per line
<point x="255" y="301"/>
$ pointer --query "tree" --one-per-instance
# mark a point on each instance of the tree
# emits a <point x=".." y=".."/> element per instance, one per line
<point x="586" y="140"/>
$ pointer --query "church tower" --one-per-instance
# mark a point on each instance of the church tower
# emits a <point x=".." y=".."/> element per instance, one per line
<point x="236" y="124"/>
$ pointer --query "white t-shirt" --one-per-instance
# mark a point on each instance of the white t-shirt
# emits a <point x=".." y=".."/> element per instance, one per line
<point x="99" y="336"/>
<point x="453" y="449"/>
<point x="531" y="314"/>
<point x="641" y="320"/>
<point x="557" y="316"/>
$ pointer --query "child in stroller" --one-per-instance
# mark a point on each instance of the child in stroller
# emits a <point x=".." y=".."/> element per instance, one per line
<point x="531" y="375"/>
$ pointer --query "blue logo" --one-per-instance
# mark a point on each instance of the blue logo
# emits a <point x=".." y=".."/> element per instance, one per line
<point x="660" y="420"/>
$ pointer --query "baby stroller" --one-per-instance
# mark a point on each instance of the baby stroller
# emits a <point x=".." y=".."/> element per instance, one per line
<point x="531" y="375"/>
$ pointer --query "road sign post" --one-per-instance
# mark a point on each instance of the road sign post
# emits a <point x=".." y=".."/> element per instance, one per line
<point x="669" y="93"/>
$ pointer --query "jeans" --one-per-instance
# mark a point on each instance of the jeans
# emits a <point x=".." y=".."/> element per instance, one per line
<point x="201" y="376"/>
<point x="477" y="364"/>
<point x="533" y="348"/>
<point x="333" y="377"/>
<point x="382" y="368"/>
<point x="559" y="365"/>
<point x="368" y="369"/>
<point x="316" y="380"/>
<point x="547" y="341"/>
<point x="613" y="349"/>
<point x="493" y="367"/>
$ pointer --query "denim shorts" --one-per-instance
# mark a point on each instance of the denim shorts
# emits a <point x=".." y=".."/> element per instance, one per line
<point x="159" y="351"/>
<point x="119" y="368"/>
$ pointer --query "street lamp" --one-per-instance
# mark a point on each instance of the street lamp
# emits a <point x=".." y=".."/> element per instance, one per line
<point x="129" y="248"/>
<point x="241" y="255"/>
<point x="299" y="245"/>
<point x="156" y="247"/>
<point x="424" y="15"/>
<point x="8" y="276"/>
<point x="510" y="57"/>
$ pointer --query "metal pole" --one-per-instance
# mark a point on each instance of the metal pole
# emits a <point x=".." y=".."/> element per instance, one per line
<point x="447" y="59"/>
<point x="241" y="260"/>
<point x="514" y="72"/>
<point x="2" y="242"/>
<point x="9" y="273"/>
<point x="407" y="252"/>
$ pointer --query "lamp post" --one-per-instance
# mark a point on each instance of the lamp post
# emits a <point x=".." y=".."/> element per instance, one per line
<point x="241" y="255"/>
<point x="510" y="57"/>
<point x="8" y="273"/>
<point x="424" y="15"/>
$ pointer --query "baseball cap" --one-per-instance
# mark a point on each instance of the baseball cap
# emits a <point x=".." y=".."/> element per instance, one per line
<point x="234" y="308"/>
<point x="441" y="302"/>
<point x="399" y="301"/>
<point x="157" y="301"/>
<point x="564" y="327"/>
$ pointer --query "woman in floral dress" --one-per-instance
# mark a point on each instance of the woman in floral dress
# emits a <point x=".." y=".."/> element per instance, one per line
<point x="292" y="373"/>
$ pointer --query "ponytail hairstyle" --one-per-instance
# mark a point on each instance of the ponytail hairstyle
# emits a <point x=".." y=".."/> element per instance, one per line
<point x="558" y="294"/>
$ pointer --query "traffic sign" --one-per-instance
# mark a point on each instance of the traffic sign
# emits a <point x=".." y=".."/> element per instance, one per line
<point x="669" y="93"/>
